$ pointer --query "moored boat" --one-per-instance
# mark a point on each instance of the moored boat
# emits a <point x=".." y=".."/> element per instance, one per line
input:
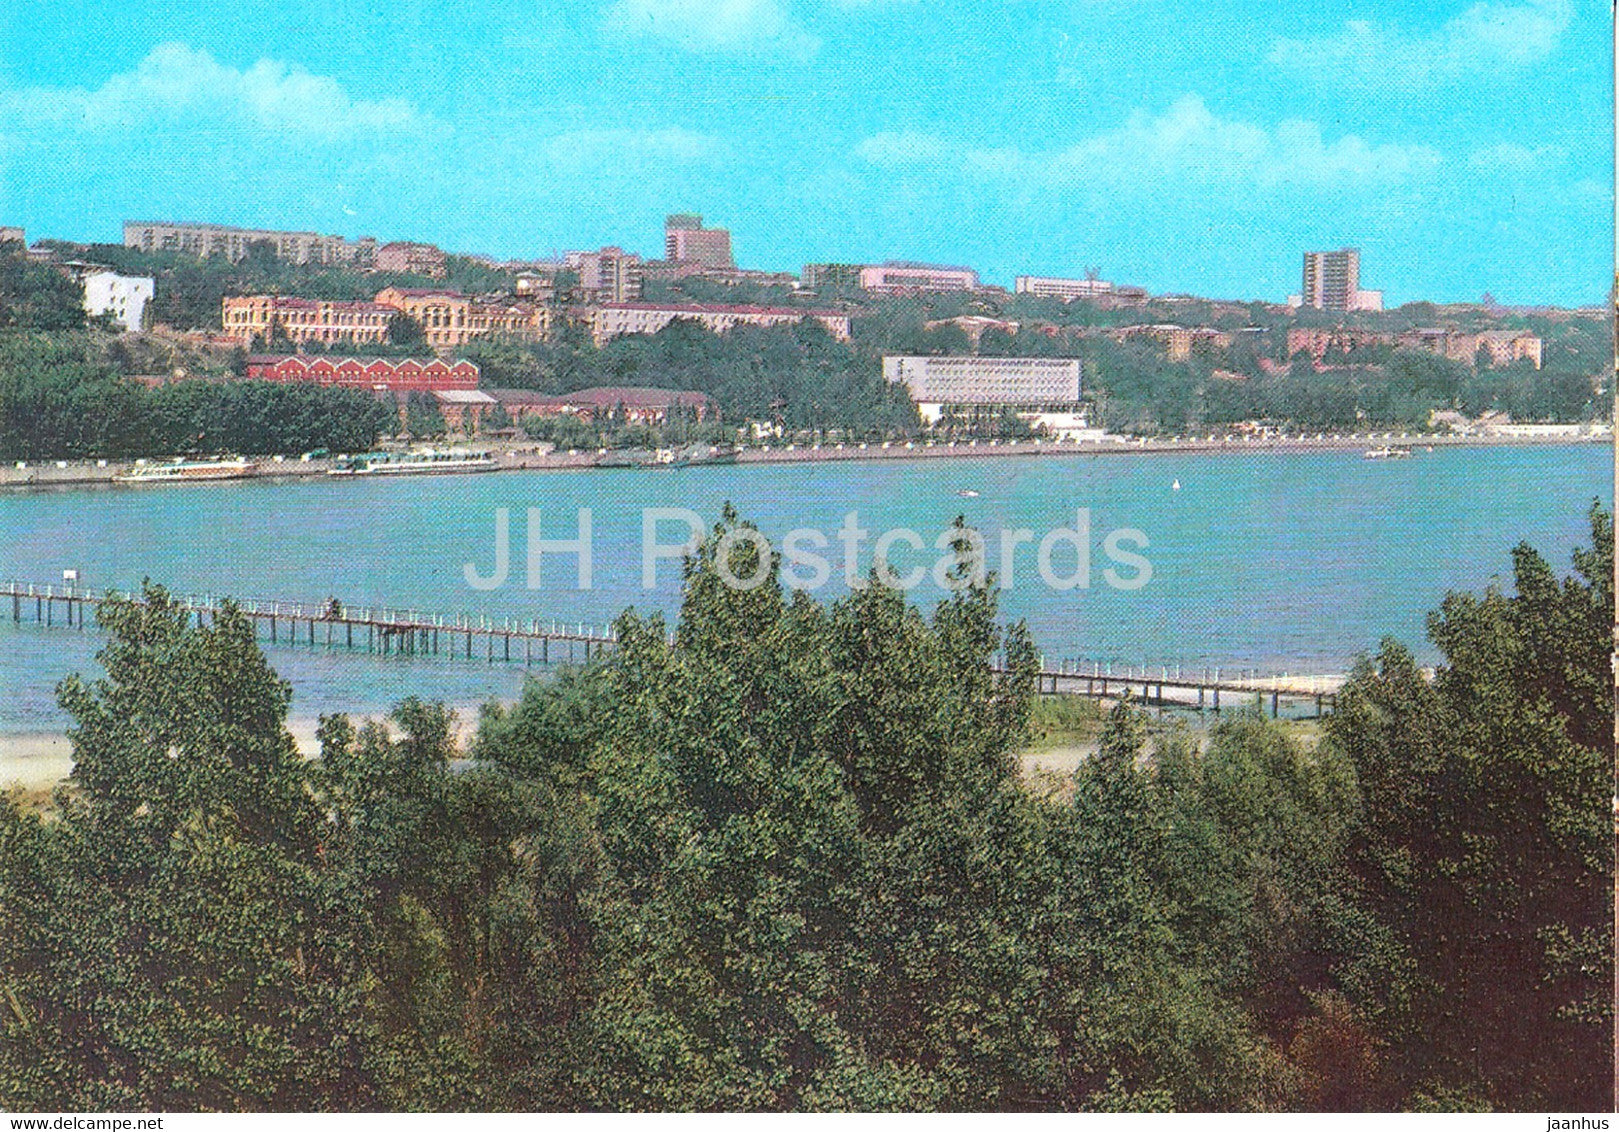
<point x="422" y="461"/>
<point x="1387" y="453"/>
<point x="188" y="471"/>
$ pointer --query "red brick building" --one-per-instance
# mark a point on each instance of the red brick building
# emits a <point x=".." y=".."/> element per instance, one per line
<point x="378" y="374"/>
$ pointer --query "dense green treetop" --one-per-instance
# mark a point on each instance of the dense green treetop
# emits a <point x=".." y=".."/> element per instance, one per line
<point x="783" y="858"/>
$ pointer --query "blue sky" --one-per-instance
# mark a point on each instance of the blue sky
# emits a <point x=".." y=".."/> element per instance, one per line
<point x="1464" y="147"/>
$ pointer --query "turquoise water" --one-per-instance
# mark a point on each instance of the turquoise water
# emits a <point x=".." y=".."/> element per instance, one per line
<point x="1275" y="561"/>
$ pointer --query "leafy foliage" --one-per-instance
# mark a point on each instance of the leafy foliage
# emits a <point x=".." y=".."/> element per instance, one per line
<point x="61" y="396"/>
<point x="782" y="858"/>
<point x="1486" y="847"/>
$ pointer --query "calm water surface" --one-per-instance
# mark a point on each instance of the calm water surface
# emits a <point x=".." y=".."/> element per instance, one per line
<point x="1277" y="561"/>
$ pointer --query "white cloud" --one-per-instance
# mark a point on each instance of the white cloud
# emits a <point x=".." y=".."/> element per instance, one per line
<point x="580" y="151"/>
<point x="175" y="81"/>
<point x="715" y="25"/>
<point x="1488" y="37"/>
<point x="1187" y="142"/>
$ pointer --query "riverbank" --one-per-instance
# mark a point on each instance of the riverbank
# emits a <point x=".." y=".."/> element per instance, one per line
<point x="1121" y="445"/>
<point x="24" y="475"/>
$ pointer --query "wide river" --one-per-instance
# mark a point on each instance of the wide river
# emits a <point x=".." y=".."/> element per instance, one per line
<point x="1275" y="561"/>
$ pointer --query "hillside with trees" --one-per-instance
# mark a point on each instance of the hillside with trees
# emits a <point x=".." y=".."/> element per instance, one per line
<point x="799" y="378"/>
<point x="784" y="859"/>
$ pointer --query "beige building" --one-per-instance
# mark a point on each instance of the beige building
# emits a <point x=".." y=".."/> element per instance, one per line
<point x="302" y="321"/>
<point x="936" y="382"/>
<point x="1067" y="290"/>
<point x="12" y="236"/>
<point x="610" y="320"/>
<point x="450" y="319"/>
<point x="611" y="275"/>
<point x="205" y="240"/>
<point x="1318" y="340"/>
<point x="411" y="259"/>
<point x="1503" y="346"/>
<point x="1178" y="341"/>
<point x="899" y="276"/>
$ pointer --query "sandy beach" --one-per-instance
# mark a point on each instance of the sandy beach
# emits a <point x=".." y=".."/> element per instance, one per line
<point x="39" y="760"/>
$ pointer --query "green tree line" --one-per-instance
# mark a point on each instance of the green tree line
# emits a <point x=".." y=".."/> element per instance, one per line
<point x="783" y="858"/>
<point x="61" y="399"/>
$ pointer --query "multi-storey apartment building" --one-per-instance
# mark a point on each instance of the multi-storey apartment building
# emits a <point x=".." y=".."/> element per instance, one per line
<point x="1502" y="346"/>
<point x="610" y="320"/>
<point x="975" y="381"/>
<point x="450" y="319"/>
<point x="1317" y="341"/>
<point x="1047" y="286"/>
<point x="1331" y="282"/>
<point x="204" y="240"/>
<point x="611" y="275"/>
<point x="901" y="276"/>
<point x="685" y="238"/>
<point x="1178" y="341"/>
<point x="411" y="259"/>
<point x="301" y="321"/>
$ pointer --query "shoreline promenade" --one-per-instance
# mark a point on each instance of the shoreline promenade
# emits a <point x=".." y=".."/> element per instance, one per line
<point x="23" y="475"/>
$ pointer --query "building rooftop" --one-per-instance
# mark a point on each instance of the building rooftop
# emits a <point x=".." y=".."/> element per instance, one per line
<point x="296" y="303"/>
<point x="721" y="308"/>
<point x="334" y="359"/>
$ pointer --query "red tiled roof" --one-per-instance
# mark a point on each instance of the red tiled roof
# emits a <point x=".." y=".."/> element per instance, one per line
<point x="307" y="359"/>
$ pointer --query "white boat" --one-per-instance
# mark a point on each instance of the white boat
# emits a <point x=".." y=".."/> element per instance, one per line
<point x="423" y="461"/>
<point x="967" y="493"/>
<point x="1387" y="453"/>
<point x="188" y="471"/>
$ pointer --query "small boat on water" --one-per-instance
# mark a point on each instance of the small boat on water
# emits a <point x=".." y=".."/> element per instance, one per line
<point x="422" y="461"/>
<point x="188" y="471"/>
<point x="1387" y="452"/>
<point x="967" y="493"/>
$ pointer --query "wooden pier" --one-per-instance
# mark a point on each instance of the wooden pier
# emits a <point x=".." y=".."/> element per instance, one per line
<point x="369" y="629"/>
<point x="1165" y="686"/>
<point x="397" y="632"/>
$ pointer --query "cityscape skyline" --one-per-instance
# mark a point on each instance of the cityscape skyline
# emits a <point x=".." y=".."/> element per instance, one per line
<point x="1463" y="149"/>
